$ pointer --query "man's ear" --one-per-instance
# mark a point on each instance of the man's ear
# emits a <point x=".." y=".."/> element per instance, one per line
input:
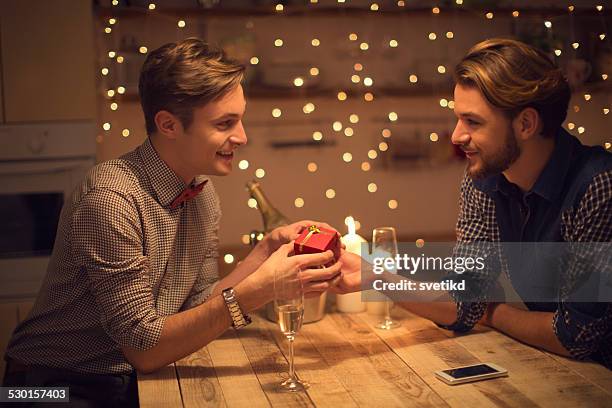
<point x="527" y="124"/>
<point x="168" y="125"/>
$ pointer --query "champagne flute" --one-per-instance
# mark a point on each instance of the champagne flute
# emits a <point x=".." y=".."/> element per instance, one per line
<point x="384" y="241"/>
<point x="289" y="307"/>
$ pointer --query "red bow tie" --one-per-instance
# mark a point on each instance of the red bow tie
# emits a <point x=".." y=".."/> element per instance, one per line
<point x="187" y="194"/>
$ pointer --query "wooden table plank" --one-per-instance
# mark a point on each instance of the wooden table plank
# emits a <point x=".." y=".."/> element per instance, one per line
<point x="366" y="367"/>
<point x="198" y="381"/>
<point x="593" y="372"/>
<point x="239" y="384"/>
<point x="427" y="348"/>
<point x="159" y="389"/>
<point x="537" y="376"/>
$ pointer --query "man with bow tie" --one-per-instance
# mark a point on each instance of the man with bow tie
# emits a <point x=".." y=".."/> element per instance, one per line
<point x="133" y="282"/>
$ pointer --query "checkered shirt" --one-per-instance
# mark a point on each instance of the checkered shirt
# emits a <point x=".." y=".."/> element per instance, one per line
<point x="123" y="261"/>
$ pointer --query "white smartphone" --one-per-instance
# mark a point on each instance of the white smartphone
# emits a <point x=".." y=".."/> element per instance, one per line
<point x="471" y="373"/>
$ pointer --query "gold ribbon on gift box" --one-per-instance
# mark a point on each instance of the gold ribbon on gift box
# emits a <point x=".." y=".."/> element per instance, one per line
<point x="313" y="229"/>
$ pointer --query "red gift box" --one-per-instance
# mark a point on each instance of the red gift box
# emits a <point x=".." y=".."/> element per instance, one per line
<point x="314" y="239"/>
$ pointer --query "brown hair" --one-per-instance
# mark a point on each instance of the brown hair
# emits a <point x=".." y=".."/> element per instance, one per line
<point x="178" y="77"/>
<point x="513" y="76"/>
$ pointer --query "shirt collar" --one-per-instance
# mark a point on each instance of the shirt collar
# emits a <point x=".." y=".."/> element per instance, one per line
<point x="166" y="184"/>
<point x="550" y="181"/>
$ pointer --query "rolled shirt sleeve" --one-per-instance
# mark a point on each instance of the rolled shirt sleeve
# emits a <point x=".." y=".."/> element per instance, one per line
<point x="107" y="244"/>
<point x="585" y="328"/>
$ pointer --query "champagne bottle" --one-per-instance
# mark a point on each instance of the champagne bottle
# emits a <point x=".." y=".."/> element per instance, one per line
<point x="272" y="218"/>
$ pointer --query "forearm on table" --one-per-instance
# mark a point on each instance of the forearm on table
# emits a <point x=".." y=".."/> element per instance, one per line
<point x="531" y="327"/>
<point x="188" y="331"/>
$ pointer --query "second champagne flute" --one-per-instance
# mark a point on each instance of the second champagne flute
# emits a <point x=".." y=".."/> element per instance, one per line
<point x="384" y="244"/>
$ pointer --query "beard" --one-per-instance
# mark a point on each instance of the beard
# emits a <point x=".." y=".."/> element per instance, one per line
<point x="489" y="164"/>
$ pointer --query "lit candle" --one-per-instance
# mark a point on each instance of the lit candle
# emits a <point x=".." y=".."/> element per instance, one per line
<point x="351" y="302"/>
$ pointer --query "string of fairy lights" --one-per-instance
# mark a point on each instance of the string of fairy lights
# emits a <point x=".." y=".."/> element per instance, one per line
<point x="362" y="85"/>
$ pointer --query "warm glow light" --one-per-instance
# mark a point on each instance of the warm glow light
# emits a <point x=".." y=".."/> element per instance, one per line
<point x="312" y="167"/>
<point x="364" y="46"/>
<point x="558" y="52"/>
<point x="355" y="78"/>
<point x="110" y="93"/>
<point x="606" y="111"/>
<point x="315" y="42"/>
<point x="374" y="7"/>
<point x="151" y="6"/>
<point x="342" y="96"/>
<point x="413" y="79"/>
<point x="317" y="136"/>
<point x="120" y="59"/>
<point x="365" y="166"/>
<point x="372" y="187"/>
<point x="435" y="10"/>
<point x="443" y="103"/>
<point x="106" y="126"/>
<point x="278" y="42"/>
<point x="450" y="35"/>
<point x="252" y="203"/>
<point x="386" y="133"/>
<point x="330" y="193"/>
<point x="372" y="154"/>
<point x="254" y="61"/>
<point x="392" y="204"/>
<point x="581" y="129"/>
<point x="107" y="30"/>
<point x="367" y="81"/>
<point x="348" y="132"/>
<point x="433" y="137"/>
<point x="299" y="202"/>
<point x="516" y="13"/>
<point x="575" y="45"/>
<point x="111" y="54"/>
<point x="112" y="21"/>
<point x="308" y="108"/>
<point x="104" y="71"/>
<point x="383" y="147"/>
<point x="125" y="132"/>
<point x="353" y="118"/>
<point x="143" y="49"/>
<point x="298" y="81"/>
<point x="547" y="24"/>
<point x="243" y="164"/>
<point x="228" y="258"/>
<point x="347" y="157"/>
<point x="314" y="71"/>
<point x="121" y="90"/>
<point x="357" y="67"/>
<point x="181" y="24"/>
<point x="353" y="37"/>
<point x="571" y="126"/>
<point x="587" y="97"/>
<point x="337" y="126"/>
<point x="276" y="113"/>
<point x="260" y="173"/>
<point x="245" y="239"/>
<point x="368" y="96"/>
<point x="392" y="116"/>
<point x="432" y="36"/>
<point x="393" y="43"/>
<point x="489" y="15"/>
<point x="114" y="106"/>
<point x="604" y="76"/>
<point x="279" y="7"/>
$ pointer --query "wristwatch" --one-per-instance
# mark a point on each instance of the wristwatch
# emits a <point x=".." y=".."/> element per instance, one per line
<point x="239" y="319"/>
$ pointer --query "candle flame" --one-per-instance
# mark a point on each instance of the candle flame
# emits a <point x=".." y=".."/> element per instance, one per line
<point x="350" y="223"/>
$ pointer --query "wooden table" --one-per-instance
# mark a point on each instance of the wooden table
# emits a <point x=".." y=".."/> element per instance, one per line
<point x="349" y="363"/>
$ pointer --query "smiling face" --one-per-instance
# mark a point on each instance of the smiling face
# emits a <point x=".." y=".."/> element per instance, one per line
<point x="207" y="146"/>
<point x="484" y="133"/>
